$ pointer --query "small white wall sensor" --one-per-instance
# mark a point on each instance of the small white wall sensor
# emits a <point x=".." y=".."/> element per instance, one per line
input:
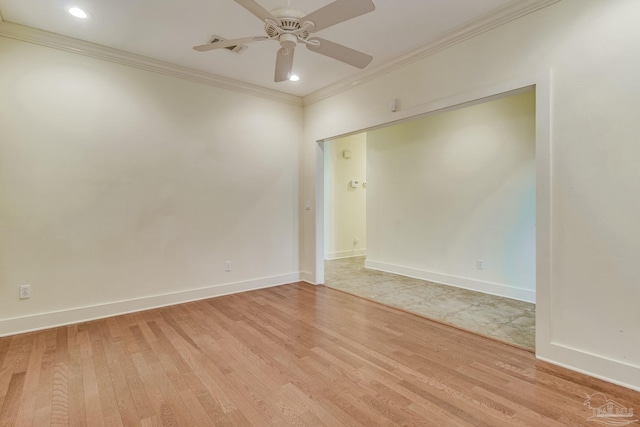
<point x="395" y="105"/>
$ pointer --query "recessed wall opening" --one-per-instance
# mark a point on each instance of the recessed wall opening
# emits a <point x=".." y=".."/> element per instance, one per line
<point x="345" y="195"/>
<point x="436" y="215"/>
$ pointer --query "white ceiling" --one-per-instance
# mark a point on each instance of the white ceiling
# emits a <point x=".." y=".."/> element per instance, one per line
<point x="167" y="29"/>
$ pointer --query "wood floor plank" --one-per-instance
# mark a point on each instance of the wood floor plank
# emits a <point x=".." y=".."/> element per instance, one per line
<point x="93" y="409"/>
<point x="44" y="398"/>
<point x="107" y="394"/>
<point x="29" y="394"/>
<point x="294" y="355"/>
<point x="11" y="400"/>
<point x="162" y="412"/>
<point x="60" y="399"/>
<point x="138" y="393"/>
<point x="5" y="379"/>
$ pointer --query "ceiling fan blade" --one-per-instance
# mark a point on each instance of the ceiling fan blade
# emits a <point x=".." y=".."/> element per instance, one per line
<point x="256" y="9"/>
<point x="284" y="64"/>
<point x="338" y="11"/>
<point x="340" y="52"/>
<point x="228" y="43"/>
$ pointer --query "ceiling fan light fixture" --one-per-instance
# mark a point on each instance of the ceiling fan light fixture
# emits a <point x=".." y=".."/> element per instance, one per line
<point x="288" y="41"/>
<point x="78" y="13"/>
<point x="294" y="78"/>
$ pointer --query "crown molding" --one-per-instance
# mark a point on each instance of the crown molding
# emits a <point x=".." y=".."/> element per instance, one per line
<point x="80" y="47"/>
<point x="489" y="21"/>
<point x="493" y="19"/>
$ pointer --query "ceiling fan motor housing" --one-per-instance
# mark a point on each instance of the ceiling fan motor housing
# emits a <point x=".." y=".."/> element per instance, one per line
<point x="288" y="21"/>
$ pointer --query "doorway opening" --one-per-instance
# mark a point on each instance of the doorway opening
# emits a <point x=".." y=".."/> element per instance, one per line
<point x="345" y="189"/>
<point x="450" y="216"/>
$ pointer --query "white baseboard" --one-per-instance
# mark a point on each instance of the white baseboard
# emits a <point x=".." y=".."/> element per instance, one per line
<point x="307" y="277"/>
<point x="601" y="367"/>
<point x="460" y="282"/>
<point x="40" y="321"/>
<point x="345" y="254"/>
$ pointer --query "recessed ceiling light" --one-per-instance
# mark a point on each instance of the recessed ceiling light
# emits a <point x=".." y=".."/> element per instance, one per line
<point x="294" y="78"/>
<point x="78" y="13"/>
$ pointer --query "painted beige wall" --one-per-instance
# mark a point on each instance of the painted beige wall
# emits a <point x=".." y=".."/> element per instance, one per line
<point x="346" y="207"/>
<point x="118" y="184"/>
<point x="589" y="47"/>
<point x="452" y="188"/>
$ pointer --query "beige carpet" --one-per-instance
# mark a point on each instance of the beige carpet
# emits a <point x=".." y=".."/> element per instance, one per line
<point x="501" y="318"/>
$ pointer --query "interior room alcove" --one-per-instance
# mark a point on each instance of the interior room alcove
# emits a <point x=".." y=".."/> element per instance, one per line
<point x="450" y="199"/>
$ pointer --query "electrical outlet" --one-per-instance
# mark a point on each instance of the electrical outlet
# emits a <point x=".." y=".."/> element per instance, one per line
<point x="356" y="241"/>
<point x="480" y="264"/>
<point x="227" y="266"/>
<point x="25" y="291"/>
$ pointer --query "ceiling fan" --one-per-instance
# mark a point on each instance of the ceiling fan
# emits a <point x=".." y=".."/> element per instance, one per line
<point x="290" y="27"/>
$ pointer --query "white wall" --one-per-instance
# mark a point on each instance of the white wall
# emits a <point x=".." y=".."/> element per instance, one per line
<point x="161" y="181"/>
<point x="453" y="188"/>
<point x="122" y="189"/>
<point x="589" y="318"/>
<point x="346" y="206"/>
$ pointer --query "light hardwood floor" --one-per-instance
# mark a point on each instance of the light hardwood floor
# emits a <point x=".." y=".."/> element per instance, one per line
<point x="290" y="355"/>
